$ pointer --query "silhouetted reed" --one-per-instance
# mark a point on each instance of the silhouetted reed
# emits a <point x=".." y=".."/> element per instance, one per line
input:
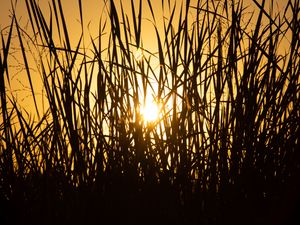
<point x="224" y="150"/>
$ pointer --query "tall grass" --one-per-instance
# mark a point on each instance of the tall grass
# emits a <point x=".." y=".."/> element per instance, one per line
<point x="225" y="149"/>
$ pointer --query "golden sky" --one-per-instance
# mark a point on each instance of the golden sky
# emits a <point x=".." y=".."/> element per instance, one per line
<point x="92" y="10"/>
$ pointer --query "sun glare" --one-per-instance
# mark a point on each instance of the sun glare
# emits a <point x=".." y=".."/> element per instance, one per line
<point x="150" y="111"/>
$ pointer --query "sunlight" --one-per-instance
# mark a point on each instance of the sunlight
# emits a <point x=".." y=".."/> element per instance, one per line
<point x="139" y="54"/>
<point x="150" y="111"/>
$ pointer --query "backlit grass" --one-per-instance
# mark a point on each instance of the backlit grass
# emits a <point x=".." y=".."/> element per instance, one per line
<point x="222" y="146"/>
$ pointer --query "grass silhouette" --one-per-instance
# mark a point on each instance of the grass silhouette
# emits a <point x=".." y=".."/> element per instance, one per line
<point x="224" y="150"/>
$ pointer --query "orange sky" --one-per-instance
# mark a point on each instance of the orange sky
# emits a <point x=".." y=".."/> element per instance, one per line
<point x="93" y="7"/>
<point x="92" y="11"/>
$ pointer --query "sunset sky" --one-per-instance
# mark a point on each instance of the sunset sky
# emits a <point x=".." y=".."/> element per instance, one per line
<point x="92" y="11"/>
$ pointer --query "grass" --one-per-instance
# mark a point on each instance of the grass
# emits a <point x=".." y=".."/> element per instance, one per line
<point x="225" y="149"/>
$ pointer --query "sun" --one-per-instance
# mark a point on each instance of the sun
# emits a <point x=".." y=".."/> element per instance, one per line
<point x="150" y="111"/>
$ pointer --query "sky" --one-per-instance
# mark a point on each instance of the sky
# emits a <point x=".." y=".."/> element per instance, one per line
<point x="92" y="10"/>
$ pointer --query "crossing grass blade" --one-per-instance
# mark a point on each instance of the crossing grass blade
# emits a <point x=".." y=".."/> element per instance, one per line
<point x="223" y="150"/>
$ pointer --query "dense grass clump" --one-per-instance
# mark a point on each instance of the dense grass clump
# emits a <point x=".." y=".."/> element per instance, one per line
<point x="223" y="150"/>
